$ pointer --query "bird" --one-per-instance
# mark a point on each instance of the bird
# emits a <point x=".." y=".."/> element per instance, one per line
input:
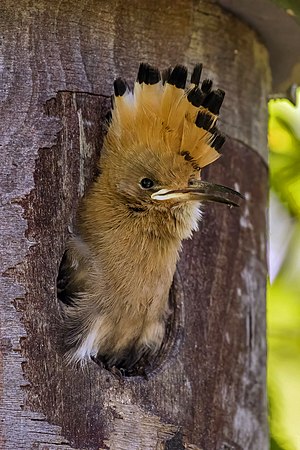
<point x="118" y="266"/>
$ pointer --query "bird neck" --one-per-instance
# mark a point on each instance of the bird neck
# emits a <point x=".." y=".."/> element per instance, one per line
<point x="136" y="251"/>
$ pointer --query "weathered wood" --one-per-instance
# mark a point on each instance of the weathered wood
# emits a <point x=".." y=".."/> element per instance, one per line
<point x="59" y="60"/>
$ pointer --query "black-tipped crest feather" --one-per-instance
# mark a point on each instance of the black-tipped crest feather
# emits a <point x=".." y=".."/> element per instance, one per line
<point x="148" y="74"/>
<point x="206" y="86"/>
<point x="119" y="87"/>
<point x="195" y="96"/>
<point x="196" y="74"/>
<point x="214" y="101"/>
<point x="217" y="141"/>
<point x="204" y="120"/>
<point x="178" y="77"/>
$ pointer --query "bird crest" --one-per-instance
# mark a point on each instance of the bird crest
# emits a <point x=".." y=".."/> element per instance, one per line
<point x="162" y="109"/>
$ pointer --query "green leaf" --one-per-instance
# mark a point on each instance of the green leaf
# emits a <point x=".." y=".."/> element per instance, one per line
<point x="284" y="294"/>
<point x="284" y="144"/>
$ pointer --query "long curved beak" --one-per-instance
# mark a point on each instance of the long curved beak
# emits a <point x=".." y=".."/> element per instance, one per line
<point x="201" y="191"/>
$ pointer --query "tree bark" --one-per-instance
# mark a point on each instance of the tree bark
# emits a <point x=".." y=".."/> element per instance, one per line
<point x="58" y="62"/>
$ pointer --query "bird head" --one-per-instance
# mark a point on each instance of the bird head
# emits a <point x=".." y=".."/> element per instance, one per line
<point x="161" y="135"/>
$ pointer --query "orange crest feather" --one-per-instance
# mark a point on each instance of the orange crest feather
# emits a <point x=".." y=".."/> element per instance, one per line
<point x="166" y="111"/>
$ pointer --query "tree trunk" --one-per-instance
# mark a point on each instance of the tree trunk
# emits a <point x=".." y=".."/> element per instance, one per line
<point x="58" y="62"/>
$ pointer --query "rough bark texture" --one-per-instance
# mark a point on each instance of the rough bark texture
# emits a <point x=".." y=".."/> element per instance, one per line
<point x="58" y="62"/>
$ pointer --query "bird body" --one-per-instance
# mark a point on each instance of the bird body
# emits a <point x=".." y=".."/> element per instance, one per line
<point x="131" y="223"/>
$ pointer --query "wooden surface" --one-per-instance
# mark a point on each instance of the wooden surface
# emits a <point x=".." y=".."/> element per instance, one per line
<point x="58" y="61"/>
<point x="278" y="24"/>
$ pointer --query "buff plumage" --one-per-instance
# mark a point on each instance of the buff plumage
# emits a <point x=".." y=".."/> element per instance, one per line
<point x="118" y="268"/>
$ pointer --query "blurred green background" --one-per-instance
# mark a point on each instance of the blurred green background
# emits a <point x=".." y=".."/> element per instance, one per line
<point x="284" y="286"/>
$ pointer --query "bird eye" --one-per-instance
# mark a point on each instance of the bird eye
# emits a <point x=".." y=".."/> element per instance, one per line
<point x="146" y="183"/>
